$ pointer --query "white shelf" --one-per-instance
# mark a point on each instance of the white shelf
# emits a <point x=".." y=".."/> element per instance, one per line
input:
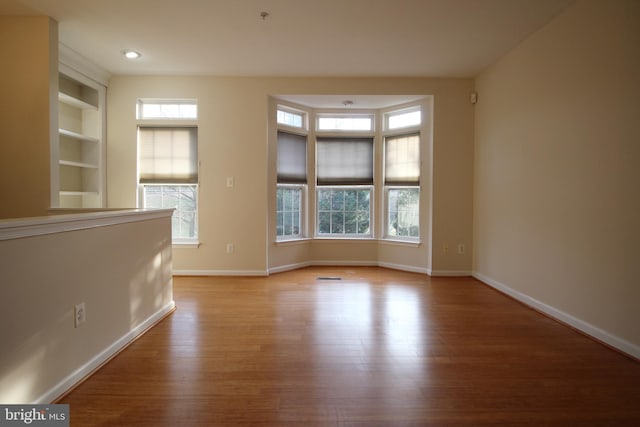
<point x="78" y="193"/>
<point x="77" y="164"/>
<point x="75" y="102"/>
<point x="77" y="136"/>
<point x="78" y="176"/>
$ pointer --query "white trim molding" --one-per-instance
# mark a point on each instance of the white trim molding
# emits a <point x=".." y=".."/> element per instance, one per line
<point x="289" y="267"/>
<point x="92" y="365"/>
<point x="220" y="273"/>
<point x="449" y="273"/>
<point x="402" y="267"/>
<point x="81" y="64"/>
<point x="614" y="341"/>
<point x="28" y="227"/>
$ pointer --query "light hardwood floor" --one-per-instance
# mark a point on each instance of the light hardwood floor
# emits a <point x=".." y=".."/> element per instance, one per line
<point x="377" y="348"/>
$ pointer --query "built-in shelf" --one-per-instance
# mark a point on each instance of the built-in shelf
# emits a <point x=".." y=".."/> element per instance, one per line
<point x="77" y="164"/>
<point x="78" y="193"/>
<point x="78" y="154"/>
<point x="77" y="136"/>
<point x="75" y="102"/>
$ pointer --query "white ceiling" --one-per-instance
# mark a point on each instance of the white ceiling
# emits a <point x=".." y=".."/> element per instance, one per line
<point x="434" y="38"/>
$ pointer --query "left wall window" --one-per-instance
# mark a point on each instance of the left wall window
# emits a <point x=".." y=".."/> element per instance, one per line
<point x="168" y="169"/>
<point x="292" y="181"/>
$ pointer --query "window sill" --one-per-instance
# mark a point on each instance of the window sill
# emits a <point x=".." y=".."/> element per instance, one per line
<point x="186" y="245"/>
<point x="293" y="241"/>
<point x="401" y="242"/>
<point x="386" y="241"/>
<point x="345" y="239"/>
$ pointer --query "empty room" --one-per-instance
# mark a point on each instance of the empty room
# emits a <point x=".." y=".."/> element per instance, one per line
<point x="335" y="212"/>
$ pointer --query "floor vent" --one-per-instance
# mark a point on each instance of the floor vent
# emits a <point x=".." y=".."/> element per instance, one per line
<point x="328" y="278"/>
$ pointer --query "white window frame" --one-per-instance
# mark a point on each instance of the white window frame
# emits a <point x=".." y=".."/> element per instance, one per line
<point x="304" y="198"/>
<point x="171" y="122"/>
<point x="395" y="132"/>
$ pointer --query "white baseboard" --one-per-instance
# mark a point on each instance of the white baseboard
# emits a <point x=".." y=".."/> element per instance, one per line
<point x="328" y="263"/>
<point x="614" y="341"/>
<point x="402" y="267"/>
<point x="449" y="273"/>
<point x="288" y="267"/>
<point x="86" y="369"/>
<point x="341" y="263"/>
<point x="220" y="273"/>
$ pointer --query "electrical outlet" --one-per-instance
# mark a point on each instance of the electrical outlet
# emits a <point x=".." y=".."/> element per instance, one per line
<point x="230" y="248"/>
<point x="79" y="315"/>
<point x="445" y="249"/>
<point x="461" y="249"/>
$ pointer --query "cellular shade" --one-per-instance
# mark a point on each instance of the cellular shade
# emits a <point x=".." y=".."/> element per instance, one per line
<point x="344" y="161"/>
<point x="292" y="158"/>
<point x="168" y="155"/>
<point x="402" y="160"/>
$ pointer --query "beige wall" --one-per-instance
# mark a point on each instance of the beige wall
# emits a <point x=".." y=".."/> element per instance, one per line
<point x="233" y="141"/>
<point x="44" y="276"/>
<point x="27" y="115"/>
<point x="557" y="191"/>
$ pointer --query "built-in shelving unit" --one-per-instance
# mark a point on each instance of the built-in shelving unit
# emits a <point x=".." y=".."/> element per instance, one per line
<point x="78" y="155"/>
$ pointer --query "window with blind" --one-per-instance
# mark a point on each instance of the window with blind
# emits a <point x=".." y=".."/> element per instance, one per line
<point x="168" y="175"/>
<point x="168" y="155"/>
<point x="344" y="178"/>
<point x="402" y="185"/>
<point x="292" y="179"/>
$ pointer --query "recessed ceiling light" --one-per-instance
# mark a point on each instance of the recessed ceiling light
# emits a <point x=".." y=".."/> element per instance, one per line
<point x="131" y="54"/>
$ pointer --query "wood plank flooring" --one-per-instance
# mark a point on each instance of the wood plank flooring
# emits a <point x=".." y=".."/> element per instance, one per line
<point x="377" y="348"/>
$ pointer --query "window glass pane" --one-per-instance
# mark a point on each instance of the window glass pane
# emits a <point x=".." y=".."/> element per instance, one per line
<point x="324" y="201"/>
<point x="288" y="214"/>
<point x="289" y="118"/>
<point x="362" y="123"/>
<point x="337" y="200"/>
<point x="343" y="211"/>
<point x="279" y="223"/>
<point x="363" y="200"/>
<point x="404" y="212"/>
<point x="337" y="222"/>
<point x="324" y="222"/>
<point x="184" y="222"/>
<point x="403" y="119"/>
<point x="177" y="109"/>
<point x="350" y="222"/>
